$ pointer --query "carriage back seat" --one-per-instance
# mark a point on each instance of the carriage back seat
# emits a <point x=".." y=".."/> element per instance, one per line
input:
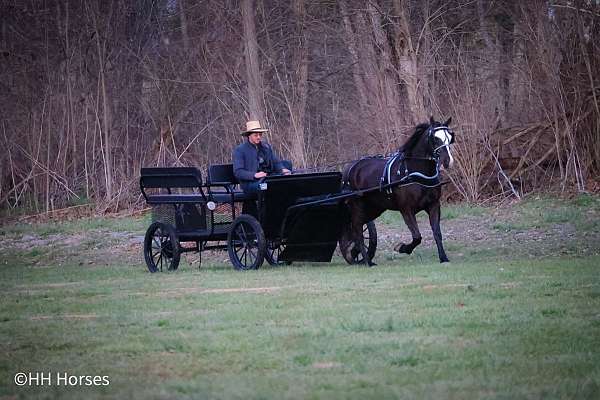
<point x="171" y="178"/>
<point x="222" y="175"/>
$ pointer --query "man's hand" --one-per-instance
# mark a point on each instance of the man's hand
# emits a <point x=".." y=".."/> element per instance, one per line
<point x="285" y="171"/>
<point x="260" y="174"/>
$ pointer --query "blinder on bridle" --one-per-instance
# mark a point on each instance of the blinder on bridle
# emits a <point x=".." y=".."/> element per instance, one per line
<point x="431" y="138"/>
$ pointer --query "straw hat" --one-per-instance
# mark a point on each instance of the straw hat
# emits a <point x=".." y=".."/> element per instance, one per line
<point x="253" y="126"/>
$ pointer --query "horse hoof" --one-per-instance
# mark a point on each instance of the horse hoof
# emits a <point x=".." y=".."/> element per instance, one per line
<point x="444" y="260"/>
<point x="404" y="249"/>
<point x="372" y="264"/>
<point x="348" y="253"/>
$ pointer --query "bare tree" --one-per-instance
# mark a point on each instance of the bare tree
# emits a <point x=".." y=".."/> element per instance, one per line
<point x="92" y="91"/>
<point x="255" y="87"/>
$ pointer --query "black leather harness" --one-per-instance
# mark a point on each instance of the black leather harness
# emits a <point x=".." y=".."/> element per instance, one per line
<point x="387" y="183"/>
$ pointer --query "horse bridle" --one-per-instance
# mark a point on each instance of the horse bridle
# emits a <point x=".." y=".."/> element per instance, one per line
<point x="435" y="151"/>
<point x="449" y="136"/>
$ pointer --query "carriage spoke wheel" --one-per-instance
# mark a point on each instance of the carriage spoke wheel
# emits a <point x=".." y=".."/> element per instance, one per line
<point x="274" y="250"/>
<point x="246" y="243"/>
<point x="161" y="248"/>
<point x="351" y="252"/>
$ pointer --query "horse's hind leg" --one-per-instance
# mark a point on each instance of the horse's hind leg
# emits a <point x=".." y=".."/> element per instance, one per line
<point x="411" y="221"/>
<point x="434" y="221"/>
<point x="356" y="233"/>
<point x="359" y="243"/>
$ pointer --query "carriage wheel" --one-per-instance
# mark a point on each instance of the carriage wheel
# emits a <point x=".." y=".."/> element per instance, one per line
<point x="161" y="248"/>
<point x="350" y="252"/>
<point x="273" y="252"/>
<point x="246" y="243"/>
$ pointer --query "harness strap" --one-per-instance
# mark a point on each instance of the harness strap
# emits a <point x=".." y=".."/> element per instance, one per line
<point x="385" y="182"/>
<point x="432" y="178"/>
<point x="386" y="176"/>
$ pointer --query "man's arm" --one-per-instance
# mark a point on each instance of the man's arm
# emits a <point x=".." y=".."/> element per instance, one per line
<point x="239" y="170"/>
<point x="277" y="164"/>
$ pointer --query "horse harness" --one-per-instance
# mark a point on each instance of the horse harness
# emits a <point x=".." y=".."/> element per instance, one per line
<point x="386" y="184"/>
<point x="407" y="177"/>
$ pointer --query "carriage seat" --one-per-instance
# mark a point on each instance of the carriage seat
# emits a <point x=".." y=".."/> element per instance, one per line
<point x="222" y="175"/>
<point x="159" y="179"/>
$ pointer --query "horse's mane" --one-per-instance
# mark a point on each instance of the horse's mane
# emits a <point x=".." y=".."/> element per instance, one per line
<point x="414" y="139"/>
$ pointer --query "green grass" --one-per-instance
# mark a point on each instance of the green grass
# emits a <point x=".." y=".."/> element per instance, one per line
<point x="543" y="211"/>
<point x="449" y="212"/>
<point x="496" y="323"/>
<point x="471" y="330"/>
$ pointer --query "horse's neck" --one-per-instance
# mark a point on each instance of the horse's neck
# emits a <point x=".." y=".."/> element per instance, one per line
<point x="419" y="150"/>
<point x="413" y="160"/>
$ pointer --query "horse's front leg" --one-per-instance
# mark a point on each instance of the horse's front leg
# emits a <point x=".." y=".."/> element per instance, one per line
<point x="411" y="221"/>
<point x="434" y="221"/>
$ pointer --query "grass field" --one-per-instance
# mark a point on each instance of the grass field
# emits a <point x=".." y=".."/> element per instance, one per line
<point x="515" y="315"/>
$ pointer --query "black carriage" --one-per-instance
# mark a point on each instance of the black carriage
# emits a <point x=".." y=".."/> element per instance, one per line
<point x="298" y="217"/>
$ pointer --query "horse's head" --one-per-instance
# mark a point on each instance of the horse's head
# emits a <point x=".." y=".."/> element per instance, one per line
<point x="440" y="137"/>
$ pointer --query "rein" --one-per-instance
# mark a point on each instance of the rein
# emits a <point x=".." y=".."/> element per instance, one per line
<point x="325" y="167"/>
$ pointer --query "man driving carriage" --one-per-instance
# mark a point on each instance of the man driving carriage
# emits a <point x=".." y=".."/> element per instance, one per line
<point x="255" y="159"/>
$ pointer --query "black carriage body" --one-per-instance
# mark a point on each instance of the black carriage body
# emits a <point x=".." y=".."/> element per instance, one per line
<point x="302" y="212"/>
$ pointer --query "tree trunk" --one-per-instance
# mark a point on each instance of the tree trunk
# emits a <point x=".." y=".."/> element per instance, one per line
<point x="386" y="85"/>
<point x="353" y="49"/>
<point x="106" y="108"/>
<point x="255" y="88"/>
<point x="299" y="108"/>
<point x="490" y="73"/>
<point x="408" y="62"/>
<point x="184" y="26"/>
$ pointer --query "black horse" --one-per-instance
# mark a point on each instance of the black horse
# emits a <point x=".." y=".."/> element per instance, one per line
<point x="408" y="182"/>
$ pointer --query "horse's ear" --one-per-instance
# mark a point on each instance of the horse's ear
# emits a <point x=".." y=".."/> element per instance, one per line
<point x="447" y="123"/>
<point x="431" y="120"/>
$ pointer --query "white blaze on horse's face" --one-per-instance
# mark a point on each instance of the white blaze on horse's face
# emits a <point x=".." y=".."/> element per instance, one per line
<point x="445" y="137"/>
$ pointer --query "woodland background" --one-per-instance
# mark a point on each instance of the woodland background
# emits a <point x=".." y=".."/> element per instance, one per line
<point x="90" y="91"/>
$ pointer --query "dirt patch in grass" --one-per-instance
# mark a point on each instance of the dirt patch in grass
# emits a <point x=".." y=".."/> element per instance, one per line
<point x="63" y="316"/>
<point x="446" y="286"/>
<point x="179" y="312"/>
<point x="178" y="292"/>
<point x="244" y="290"/>
<point x="475" y="238"/>
<point x="516" y="230"/>
<point x="164" y="365"/>
<point x="42" y="286"/>
<point x="326" y="365"/>
<point x="506" y="285"/>
<point x="510" y="285"/>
